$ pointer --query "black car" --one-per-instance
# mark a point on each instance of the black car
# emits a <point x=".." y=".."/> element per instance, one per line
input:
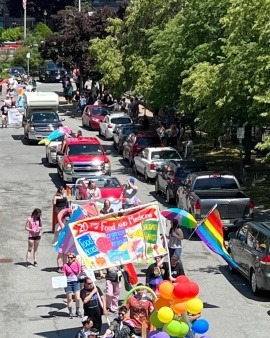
<point x="51" y="72"/>
<point x="249" y="247"/>
<point x="173" y="173"/>
<point x="17" y="72"/>
<point x="122" y="132"/>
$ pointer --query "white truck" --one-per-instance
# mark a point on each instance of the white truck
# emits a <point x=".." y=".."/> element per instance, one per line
<point x="40" y="115"/>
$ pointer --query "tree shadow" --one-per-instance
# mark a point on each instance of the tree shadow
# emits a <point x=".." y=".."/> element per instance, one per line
<point x="59" y="333"/>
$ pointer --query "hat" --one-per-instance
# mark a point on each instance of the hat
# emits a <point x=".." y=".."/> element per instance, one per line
<point x="131" y="180"/>
<point x="93" y="332"/>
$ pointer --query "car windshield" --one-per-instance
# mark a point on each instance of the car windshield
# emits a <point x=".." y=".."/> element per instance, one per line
<point x="165" y="154"/>
<point x="17" y="70"/>
<point x="111" y="182"/>
<point x="120" y="120"/>
<point x="128" y="131"/>
<point x="100" y="111"/>
<point x="52" y="66"/>
<point x="44" y="117"/>
<point x="215" y="182"/>
<point x="148" y="141"/>
<point x="84" y="149"/>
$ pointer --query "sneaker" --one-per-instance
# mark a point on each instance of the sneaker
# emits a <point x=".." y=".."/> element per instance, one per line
<point x="35" y="263"/>
<point x="78" y="313"/>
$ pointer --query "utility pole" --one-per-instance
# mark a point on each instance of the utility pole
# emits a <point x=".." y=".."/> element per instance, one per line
<point x="79" y="6"/>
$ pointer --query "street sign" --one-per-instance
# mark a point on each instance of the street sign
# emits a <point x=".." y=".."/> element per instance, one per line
<point x="240" y="133"/>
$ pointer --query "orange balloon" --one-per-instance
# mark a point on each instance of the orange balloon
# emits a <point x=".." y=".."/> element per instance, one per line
<point x="179" y="307"/>
<point x="166" y="290"/>
<point x="160" y="302"/>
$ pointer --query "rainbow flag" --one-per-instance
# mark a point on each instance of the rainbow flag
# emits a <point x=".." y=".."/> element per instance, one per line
<point x="210" y="232"/>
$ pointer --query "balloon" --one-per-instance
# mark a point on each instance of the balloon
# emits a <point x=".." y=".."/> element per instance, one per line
<point x="162" y="334"/>
<point x="176" y="328"/>
<point x="181" y="290"/>
<point x="173" y="328"/>
<point x="200" y="326"/>
<point x="182" y="279"/>
<point x="178" y="306"/>
<point x="165" y="314"/>
<point x="194" y="306"/>
<point x="152" y="333"/>
<point x="166" y="289"/>
<point x="155" y="321"/>
<point x="160" y="302"/>
<point x="193" y="289"/>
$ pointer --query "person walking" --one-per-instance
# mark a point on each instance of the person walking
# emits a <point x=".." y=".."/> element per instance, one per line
<point x="113" y="286"/>
<point x="94" y="303"/>
<point x="176" y="267"/>
<point x="129" y="194"/>
<point x="72" y="269"/>
<point x="175" y="238"/>
<point x="34" y="227"/>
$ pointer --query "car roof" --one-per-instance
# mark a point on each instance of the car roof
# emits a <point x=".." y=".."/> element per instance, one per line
<point x="263" y="227"/>
<point x="213" y="173"/>
<point x="131" y="125"/>
<point x="161" y="149"/>
<point x="118" y="114"/>
<point x="82" y="140"/>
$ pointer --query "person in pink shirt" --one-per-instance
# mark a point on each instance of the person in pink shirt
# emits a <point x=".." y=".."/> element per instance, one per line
<point x="72" y="269"/>
<point x="34" y="227"/>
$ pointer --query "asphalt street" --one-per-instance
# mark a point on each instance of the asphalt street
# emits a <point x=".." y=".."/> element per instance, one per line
<point x="31" y="308"/>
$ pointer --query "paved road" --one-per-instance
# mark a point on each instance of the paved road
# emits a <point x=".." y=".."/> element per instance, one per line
<point x="31" y="308"/>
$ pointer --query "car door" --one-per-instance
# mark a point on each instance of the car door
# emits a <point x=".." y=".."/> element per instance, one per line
<point x="86" y="116"/>
<point x="162" y="178"/>
<point x="142" y="160"/>
<point x="248" y="255"/>
<point x="183" y="193"/>
<point x="237" y="245"/>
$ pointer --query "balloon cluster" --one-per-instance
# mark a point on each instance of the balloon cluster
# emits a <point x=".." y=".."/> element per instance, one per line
<point x="172" y="306"/>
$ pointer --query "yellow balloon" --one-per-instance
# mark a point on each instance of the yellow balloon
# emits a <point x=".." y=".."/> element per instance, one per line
<point x="194" y="306"/>
<point x="165" y="314"/>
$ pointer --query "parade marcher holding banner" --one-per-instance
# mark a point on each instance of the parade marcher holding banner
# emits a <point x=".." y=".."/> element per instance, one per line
<point x="113" y="285"/>
<point x="94" y="303"/>
<point x="106" y="208"/>
<point x="176" y="267"/>
<point x="34" y="227"/>
<point x="72" y="269"/>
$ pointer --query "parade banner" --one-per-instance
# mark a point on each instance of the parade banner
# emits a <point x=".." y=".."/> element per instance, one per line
<point x="116" y="204"/>
<point x="128" y="236"/>
<point x="15" y="116"/>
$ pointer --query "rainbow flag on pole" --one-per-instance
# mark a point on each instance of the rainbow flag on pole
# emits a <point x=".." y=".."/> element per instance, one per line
<point x="210" y="232"/>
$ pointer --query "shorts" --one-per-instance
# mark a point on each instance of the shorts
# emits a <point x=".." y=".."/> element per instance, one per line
<point x="36" y="238"/>
<point x="72" y="287"/>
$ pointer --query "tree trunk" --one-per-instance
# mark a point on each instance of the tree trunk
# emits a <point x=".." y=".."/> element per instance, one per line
<point x="248" y="144"/>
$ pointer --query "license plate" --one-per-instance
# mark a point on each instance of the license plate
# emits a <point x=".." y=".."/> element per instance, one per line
<point x="225" y="221"/>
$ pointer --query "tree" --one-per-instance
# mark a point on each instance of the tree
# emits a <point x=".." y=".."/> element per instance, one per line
<point x="12" y="34"/>
<point x="70" y="47"/>
<point x="41" y="31"/>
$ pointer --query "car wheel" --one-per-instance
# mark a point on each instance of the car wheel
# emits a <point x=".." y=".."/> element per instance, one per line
<point x="130" y="161"/>
<point x="83" y="123"/>
<point x="157" y="191"/>
<point x="90" y="126"/>
<point x="114" y="145"/>
<point x="124" y="155"/>
<point x="168" y="198"/>
<point x="99" y="132"/>
<point x="146" y="178"/>
<point x="120" y="150"/>
<point x="253" y="282"/>
<point x="59" y="172"/>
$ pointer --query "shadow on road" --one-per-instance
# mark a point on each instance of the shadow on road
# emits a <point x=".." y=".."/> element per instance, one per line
<point x="56" y="180"/>
<point x="59" y="333"/>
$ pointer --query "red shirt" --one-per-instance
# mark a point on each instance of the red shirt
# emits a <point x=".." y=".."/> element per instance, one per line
<point x="139" y="310"/>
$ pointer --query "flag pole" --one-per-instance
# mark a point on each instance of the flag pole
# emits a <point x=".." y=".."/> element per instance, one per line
<point x="24" y="22"/>
<point x="193" y="232"/>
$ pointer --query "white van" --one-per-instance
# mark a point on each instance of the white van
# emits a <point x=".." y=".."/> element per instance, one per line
<point x="40" y="101"/>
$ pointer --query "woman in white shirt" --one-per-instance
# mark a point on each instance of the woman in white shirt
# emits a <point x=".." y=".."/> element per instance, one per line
<point x="175" y="238"/>
<point x="93" y="192"/>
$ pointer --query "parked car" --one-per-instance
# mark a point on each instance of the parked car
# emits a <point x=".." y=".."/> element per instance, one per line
<point x="110" y="187"/>
<point x="112" y="121"/>
<point x="82" y="157"/>
<point x="121" y="133"/>
<point x="93" y="115"/>
<point x="17" y="72"/>
<point x="150" y="159"/>
<point x="51" y="72"/>
<point x="249" y="247"/>
<point x="171" y="175"/>
<point x="202" y="190"/>
<point x="138" y="141"/>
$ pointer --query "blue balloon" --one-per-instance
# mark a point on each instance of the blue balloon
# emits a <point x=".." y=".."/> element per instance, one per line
<point x="200" y="326"/>
<point x="152" y="334"/>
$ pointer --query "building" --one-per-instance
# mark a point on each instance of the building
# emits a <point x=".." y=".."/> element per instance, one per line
<point x="3" y="14"/>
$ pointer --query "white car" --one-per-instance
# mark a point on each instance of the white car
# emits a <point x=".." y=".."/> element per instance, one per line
<point x="111" y="121"/>
<point x="51" y="151"/>
<point x="149" y="159"/>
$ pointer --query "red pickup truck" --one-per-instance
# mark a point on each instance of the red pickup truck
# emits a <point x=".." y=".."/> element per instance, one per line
<point x="82" y="157"/>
